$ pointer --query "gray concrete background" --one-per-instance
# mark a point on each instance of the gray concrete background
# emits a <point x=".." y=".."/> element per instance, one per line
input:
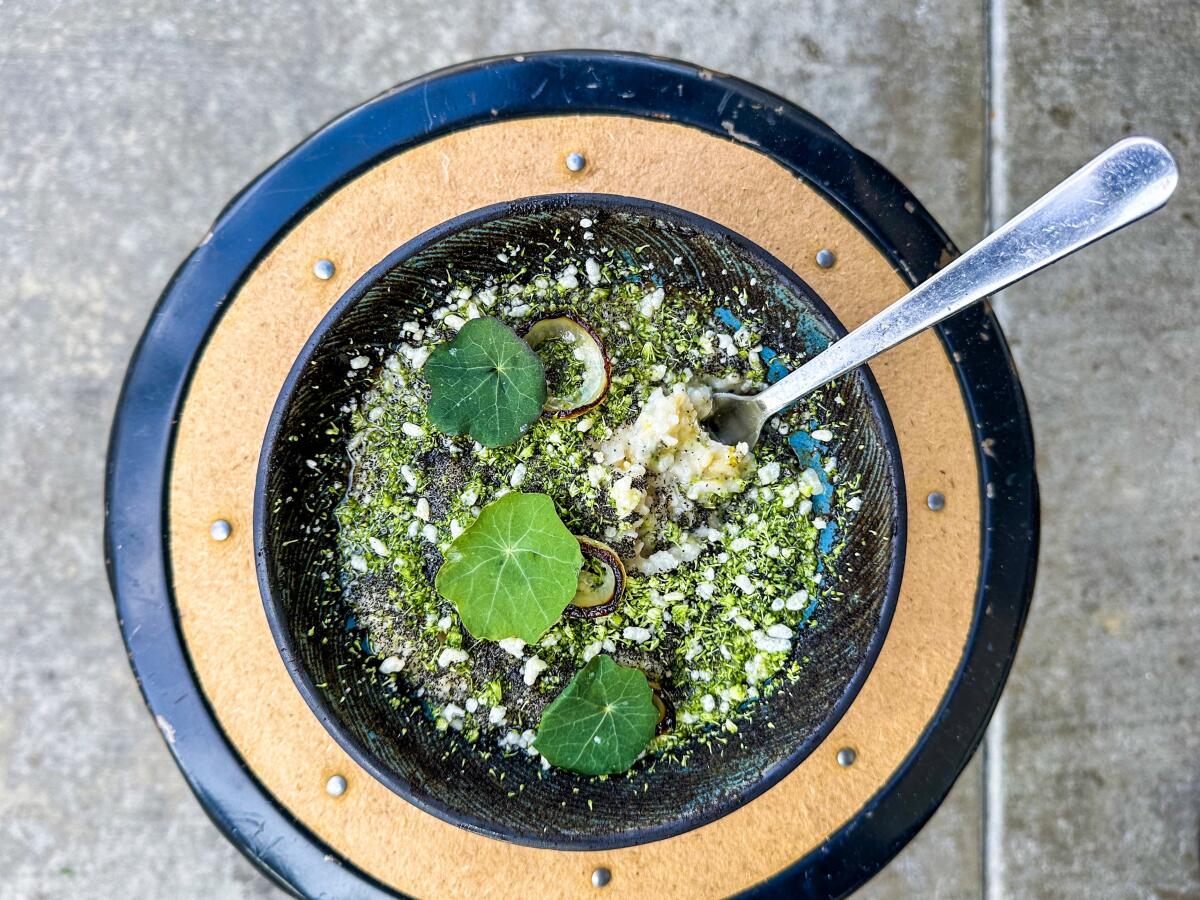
<point x="126" y="127"/>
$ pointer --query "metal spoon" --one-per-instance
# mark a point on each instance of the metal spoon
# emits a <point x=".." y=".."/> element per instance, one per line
<point x="1131" y="179"/>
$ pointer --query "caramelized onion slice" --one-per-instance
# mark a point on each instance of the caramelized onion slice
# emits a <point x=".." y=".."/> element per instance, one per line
<point x="666" y="709"/>
<point x="601" y="581"/>
<point x="584" y="393"/>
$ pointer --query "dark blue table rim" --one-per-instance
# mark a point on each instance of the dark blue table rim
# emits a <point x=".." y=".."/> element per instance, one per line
<point x="539" y="84"/>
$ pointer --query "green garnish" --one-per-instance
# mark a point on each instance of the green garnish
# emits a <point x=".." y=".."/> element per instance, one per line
<point x="565" y="372"/>
<point x="513" y="572"/>
<point x="486" y="382"/>
<point x="601" y="722"/>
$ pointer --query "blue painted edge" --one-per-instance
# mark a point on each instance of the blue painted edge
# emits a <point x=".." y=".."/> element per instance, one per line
<point x="567" y="82"/>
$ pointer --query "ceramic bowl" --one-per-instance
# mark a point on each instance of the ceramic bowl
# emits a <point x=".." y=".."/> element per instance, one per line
<point x="327" y="654"/>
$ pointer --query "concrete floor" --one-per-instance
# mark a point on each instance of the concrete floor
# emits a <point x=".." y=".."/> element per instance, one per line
<point x="126" y="127"/>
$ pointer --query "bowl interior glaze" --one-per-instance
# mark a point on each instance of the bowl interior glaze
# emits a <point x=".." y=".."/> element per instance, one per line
<point x="324" y="649"/>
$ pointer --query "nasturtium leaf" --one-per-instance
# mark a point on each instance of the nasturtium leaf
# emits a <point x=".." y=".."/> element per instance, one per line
<point x="513" y="572"/>
<point x="602" y="720"/>
<point x="487" y="382"/>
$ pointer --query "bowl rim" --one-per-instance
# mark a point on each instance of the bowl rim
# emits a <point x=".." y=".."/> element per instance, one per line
<point x="360" y="752"/>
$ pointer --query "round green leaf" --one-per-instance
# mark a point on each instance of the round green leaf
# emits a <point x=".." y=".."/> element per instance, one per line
<point x="601" y="722"/>
<point x="487" y="382"/>
<point x="513" y="572"/>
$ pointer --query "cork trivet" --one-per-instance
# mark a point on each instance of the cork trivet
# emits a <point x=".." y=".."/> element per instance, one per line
<point x="240" y="374"/>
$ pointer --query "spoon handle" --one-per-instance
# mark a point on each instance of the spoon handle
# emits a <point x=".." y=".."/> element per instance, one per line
<point x="1130" y="179"/>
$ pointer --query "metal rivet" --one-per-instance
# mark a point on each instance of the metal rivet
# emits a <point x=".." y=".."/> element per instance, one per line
<point x="323" y="269"/>
<point x="936" y="501"/>
<point x="601" y="877"/>
<point x="220" y="530"/>
<point x="846" y="757"/>
<point x="576" y="162"/>
<point x="335" y="786"/>
<point x="826" y="258"/>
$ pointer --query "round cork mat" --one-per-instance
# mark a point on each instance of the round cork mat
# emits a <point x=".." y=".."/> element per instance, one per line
<point x="372" y="841"/>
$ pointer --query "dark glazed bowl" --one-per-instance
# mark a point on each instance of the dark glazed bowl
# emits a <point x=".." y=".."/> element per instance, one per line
<point x="324" y="649"/>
